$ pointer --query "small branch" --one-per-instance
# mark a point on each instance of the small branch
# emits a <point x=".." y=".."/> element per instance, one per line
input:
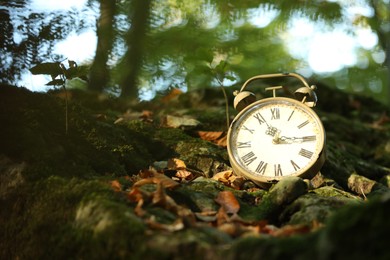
<point x="226" y="104"/>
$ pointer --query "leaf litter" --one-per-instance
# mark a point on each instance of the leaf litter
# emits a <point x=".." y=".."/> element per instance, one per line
<point x="226" y="219"/>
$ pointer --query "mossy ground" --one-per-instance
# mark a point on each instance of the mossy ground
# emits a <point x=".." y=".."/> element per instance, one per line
<point x="57" y="199"/>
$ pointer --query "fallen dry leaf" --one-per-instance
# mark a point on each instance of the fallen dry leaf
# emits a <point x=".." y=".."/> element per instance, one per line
<point x="290" y="230"/>
<point x="161" y="199"/>
<point x="116" y="186"/>
<point x="153" y="177"/>
<point x="210" y="135"/>
<point x="228" y="201"/>
<point x="176" y="164"/>
<point x="209" y="216"/>
<point x="173" y="94"/>
<point x="217" y="137"/>
<point x="175" y="226"/>
<point x="378" y="124"/>
<point x="184" y="175"/>
<point x="179" y="122"/>
<point x="229" y="179"/>
<point x="236" y="229"/>
<point x="135" y="195"/>
<point x="145" y="115"/>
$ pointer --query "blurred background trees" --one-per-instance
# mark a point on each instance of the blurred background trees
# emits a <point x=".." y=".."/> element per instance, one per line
<point x="146" y="46"/>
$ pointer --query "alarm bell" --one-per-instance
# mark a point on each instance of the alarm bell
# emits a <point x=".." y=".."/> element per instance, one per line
<point x="306" y="95"/>
<point x="243" y="99"/>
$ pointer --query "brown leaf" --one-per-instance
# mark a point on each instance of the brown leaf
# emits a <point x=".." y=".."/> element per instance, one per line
<point x="217" y="137"/>
<point x="156" y="178"/>
<point x="116" y="186"/>
<point x="176" y="164"/>
<point x="222" y="141"/>
<point x="135" y="195"/>
<point x="210" y="136"/>
<point x="378" y="124"/>
<point x="161" y="199"/>
<point x="228" y="202"/>
<point x="184" y="175"/>
<point x="147" y="115"/>
<point x="290" y="230"/>
<point x="175" y="226"/>
<point x="129" y="115"/>
<point x="209" y="216"/>
<point x="229" y="179"/>
<point x="173" y="94"/>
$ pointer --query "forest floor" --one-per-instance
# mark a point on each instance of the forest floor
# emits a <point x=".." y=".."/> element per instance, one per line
<point x="106" y="178"/>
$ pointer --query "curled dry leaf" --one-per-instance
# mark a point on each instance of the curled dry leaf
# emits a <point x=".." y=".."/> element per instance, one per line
<point x="173" y="94"/>
<point x="145" y="115"/>
<point x="290" y="230"/>
<point x="176" y="164"/>
<point x="228" y="202"/>
<point x="208" y="216"/>
<point x="116" y="186"/>
<point x="175" y="226"/>
<point x="161" y="199"/>
<point x="181" y="169"/>
<point x="184" y="175"/>
<point x="217" y="137"/>
<point x="230" y="179"/>
<point x="384" y="119"/>
<point x="210" y="135"/>
<point x="153" y="177"/>
<point x="135" y="195"/>
<point x="179" y="122"/>
<point x="235" y="229"/>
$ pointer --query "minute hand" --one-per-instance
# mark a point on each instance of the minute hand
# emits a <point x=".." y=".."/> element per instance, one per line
<point x="289" y="140"/>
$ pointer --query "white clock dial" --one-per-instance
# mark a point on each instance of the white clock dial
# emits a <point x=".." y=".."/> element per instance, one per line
<point x="276" y="137"/>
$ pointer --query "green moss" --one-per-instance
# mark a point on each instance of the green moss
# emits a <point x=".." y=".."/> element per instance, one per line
<point x="60" y="221"/>
<point x="328" y="191"/>
<point x="358" y="227"/>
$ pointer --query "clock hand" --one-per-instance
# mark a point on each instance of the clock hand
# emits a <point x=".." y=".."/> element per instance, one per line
<point x="290" y="140"/>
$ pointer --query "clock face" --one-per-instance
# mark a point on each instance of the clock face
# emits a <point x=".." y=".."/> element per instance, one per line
<point x="275" y="137"/>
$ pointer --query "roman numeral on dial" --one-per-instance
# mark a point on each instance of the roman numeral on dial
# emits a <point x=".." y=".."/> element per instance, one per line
<point x="296" y="167"/>
<point x="275" y="113"/>
<point x="305" y="153"/>
<point x="247" y="129"/>
<point x="259" y="118"/>
<point x="309" y="138"/>
<point x="278" y="170"/>
<point x="261" y="168"/>
<point x="244" y="144"/>
<point x="248" y="158"/>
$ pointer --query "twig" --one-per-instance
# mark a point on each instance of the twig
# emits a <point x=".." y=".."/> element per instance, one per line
<point x="226" y="103"/>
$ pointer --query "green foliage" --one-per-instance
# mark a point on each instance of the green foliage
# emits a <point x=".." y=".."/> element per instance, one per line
<point x="58" y="69"/>
<point x="155" y="45"/>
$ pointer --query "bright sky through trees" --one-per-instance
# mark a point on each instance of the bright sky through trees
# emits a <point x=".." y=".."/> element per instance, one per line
<point x="321" y="48"/>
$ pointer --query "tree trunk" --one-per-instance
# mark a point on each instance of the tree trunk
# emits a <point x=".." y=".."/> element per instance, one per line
<point x="99" y="74"/>
<point x="135" y="42"/>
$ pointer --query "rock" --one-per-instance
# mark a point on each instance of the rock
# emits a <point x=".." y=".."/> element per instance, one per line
<point x="287" y="190"/>
<point x="364" y="186"/>
<point x="280" y="195"/>
<point x="316" y="206"/>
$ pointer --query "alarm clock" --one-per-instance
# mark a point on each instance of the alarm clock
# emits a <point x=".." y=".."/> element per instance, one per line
<point x="276" y="137"/>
